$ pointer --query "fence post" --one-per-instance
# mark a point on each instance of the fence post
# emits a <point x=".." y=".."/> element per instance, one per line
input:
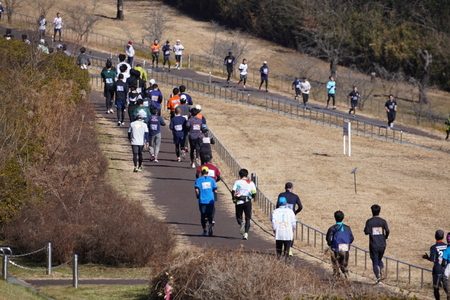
<point x="75" y="271"/>
<point x="189" y="61"/>
<point x="5" y="267"/>
<point x="49" y="258"/>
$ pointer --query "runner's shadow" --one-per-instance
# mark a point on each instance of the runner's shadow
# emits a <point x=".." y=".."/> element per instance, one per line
<point x="213" y="236"/>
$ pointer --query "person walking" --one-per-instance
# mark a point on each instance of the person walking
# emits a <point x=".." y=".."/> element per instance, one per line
<point x="121" y="93"/>
<point x="57" y="25"/>
<point x="264" y="70"/>
<point x="178" y="49"/>
<point x="178" y="127"/>
<point x="129" y="50"/>
<point x="292" y="201"/>
<point x="339" y="238"/>
<point x="194" y="125"/>
<point x="205" y="190"/>
<point x="109" y="77"/>
<point x="154" y="125"/>
<point x="243" y="68"/>
<point x="447" y="129"/>
<point x="166" y="53"/>
<point x="229" y="61"/>
<point x="391" y="110"/>
<point x="156" y="47"/>
<point x="296" y="87"/>
<point x="436" y="257"/>
<point x="138" y="136"/>
<point x="283" y="225"/>
<point x="331" y="86"/>
<point x="378" y="231"/>
<point x="42" y="22"/>
<point x="305" y="87"/>
<point x="83" y="61"/>
<point x="354" y="98"/>
<point x="242" y="194"/>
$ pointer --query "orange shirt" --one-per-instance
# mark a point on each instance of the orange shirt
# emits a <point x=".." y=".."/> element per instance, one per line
<point x="200" y="116"/>
<point x="173" y="102"/>
<point x="155" y="48"/>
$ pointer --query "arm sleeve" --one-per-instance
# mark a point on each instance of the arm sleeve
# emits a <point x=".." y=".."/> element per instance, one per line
<point x="218" y="178"/>
<point x="386" y="228"/>
<point x="329" y="236"/>
<point x="367" y="229"/>
<point x="146" y="137"/>
<point x="300" y="206"/>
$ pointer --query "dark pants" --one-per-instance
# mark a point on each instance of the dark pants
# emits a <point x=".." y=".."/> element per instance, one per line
<point x="109" y="95"/>
<point x="438" y="281"/>
<point x="137" y="155"/>
<point x="376" y="255"/>
<point x="166" y="59"/>
<point x="279" y="245"/>
<point x="391" y="117"/>
<point x="179" y="143"/>
<point x="266" y="80"/>
<point x="206" y="211"/>
<point x="195" y="146"/>
<point x="243" y="79"/>
<point x="229" y="71"/>
<point x="334" y="99"/>
<point x="130" y="60"/>
<point x="54" y="34"/>
<point x="245" y="208"/>
<point x="305" y="98"/>
<point x="203" y="157"/>
<point x="155" y="57"/>
<point x="339" y="260"/>
<point x="131" y="109"/>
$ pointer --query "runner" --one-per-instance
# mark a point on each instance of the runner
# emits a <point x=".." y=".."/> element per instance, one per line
<point x="57" y="23"/>
<point x="243" y="68"/>
<point x="339" y="238"/>
<point x="305" y="87"/>
<point x="138" y="136"/>
<point x="199" y="115"/>
<point x="173" y="102"/>
<point x="391" y="110"/>
<point x="292" y="201"/>
<point x="205" y="189"/>
<point x="354" y="98"/>
<point x="188" y="97"/>
<point x="155" y="53"/>
<point x="166" y="52"/>
<point x="186" y="113"/>
<point x="205" y="140"/>
<point x="447" y="129"/>
<point x="133" y="102"/>
<point x="83" y="60"/>
<point x="141" y="70"/>
<point x="378" y="231"/>
<point x="156" y="97"/>
<point x="194" y="126"/>
<point x="242" y="194"/>
<point x="135" y="80"/>
<point x="109" y="77"/>
<point x="436" y="257"/>
<point x="296" y="86"/>
<point x="178" y="127"/>
<point x="264" y="70"/>
<point x="331" y="86"/>
<point x="446" y="265"/>
<point x="122" y="58"/>
<point x="283" y="225"/>
<point x="178" y="49"/>
<point x="42" y="22"/>
<point x="121" y="92"/>
<point x="143" y="110"/>
<point x="213" y="172"/>
<point x="129" y="50"/>
<point x="154" y="126"/>
<point x="229" y="61"/>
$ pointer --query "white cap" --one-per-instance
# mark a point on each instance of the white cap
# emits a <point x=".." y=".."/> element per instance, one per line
<point x="152" y="81"/>
<point x="178" y="41"/>
<point x="265" y="62"/>
<point x="198" y="107"/>
<point x="42" y="41"/>
<point x="183" y="97"/>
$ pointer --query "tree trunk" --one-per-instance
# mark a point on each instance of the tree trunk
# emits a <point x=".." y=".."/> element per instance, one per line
<point x="119" y="10"/>
<point x="427" y="58"/>
<point x="334" y="59"/>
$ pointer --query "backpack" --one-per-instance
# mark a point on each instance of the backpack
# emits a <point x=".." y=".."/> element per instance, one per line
<point x="341" y="240"/>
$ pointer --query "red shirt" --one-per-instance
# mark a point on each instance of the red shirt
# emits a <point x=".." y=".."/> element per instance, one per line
<point x="213" y="171"/>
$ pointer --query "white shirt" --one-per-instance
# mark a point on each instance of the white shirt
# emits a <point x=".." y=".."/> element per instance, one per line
<point x="178" y="49"/>
<point x="58" y="22"/>
<point x="305" y="87"/>
<point x="42" y="24"/>
<point x="283" y="223"/>
<point x="243" y="188"/>
<point x="125" y="74"/>
<point x="129" y="50"/>
<point x="243" y="68"/>
<point x="138" y="129"/>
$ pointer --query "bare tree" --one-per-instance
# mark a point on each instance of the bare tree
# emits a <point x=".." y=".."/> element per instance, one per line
<point x="119" y="10"/>
<point x="11" y="6"/>
<point x="82" y="19"/>
<point x="427" y="59"/>
<point x="158" y="23"/>
<point x="43" y="6"/>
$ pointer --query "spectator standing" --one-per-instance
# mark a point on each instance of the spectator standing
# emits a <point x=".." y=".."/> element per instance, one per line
<point x="378" y="231"/>
<point x="130" y="53"/>
<point x="121" y="93"/>
<point x="436" y="257"/>
<point x="242" y="193"/>
<point x="292" y="201"/>
<point x="331" y="86"/>
<point x="156" y="47"/>
<point x="154" y="125"/>
<point x="354" y="98"/>
<point x="243" y="68"/>
<point x="178" y="49"/>
<point x="83" y="61"/>
<point x="339" y="238"/>
<point x="178" y="127"/>
<point x="264" y="70"/>
<point x="57" y="27"/>
<point x="447" y="129"/>
<point x="205" y="190"/>
<point x="305" y="87"/>
<point x="296" y="86"/>
<point x="109" y="77"/>
<point x="138" y="136"/>
<point x="42" y="22"/>
<point x="391" y="110"/>
<point x="283" y="225"/>
<point x="229" y="61"/>
<point x="166" y="52"/>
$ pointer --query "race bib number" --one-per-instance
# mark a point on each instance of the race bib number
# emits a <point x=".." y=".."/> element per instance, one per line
<point x="154" y="127"/>
<point x="206" y="140"/>
<point x="297" y="86"/>
<point x="119" y="88"/>
<point x="109" y="80"/>
<point x="167" y="52"/>
<point x="230" y="61"/>
<point x="266" y="71"/>
<point x="211" y="173"/>
<point x="196" y="127"/>
<point x="343" y="247"/>
<point x="355" y="98"/>
<point x="154" y="98"/>
<point x="178" y="127"/>
<point x="377" y="231"/>
<point x="206" y="185"/>
<point x="146" y="103"/>
<point x="139" y="90"/>
<point x="391" y="106"/>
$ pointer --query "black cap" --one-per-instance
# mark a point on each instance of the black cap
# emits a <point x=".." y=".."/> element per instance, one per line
<point x="288" y="185"/>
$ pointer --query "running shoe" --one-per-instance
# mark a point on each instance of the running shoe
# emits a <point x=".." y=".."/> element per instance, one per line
<point x="135" y="170"/>
<point x="259" y="88"/>
<point x="267" y="91"/>
<point x="193" y="165"/>
<point x="178" y="159"/>
<point x="156" y="160"/>
<point x="111" y="111"/>
<point x="122" y="123"/>
<point x="378" y="281"/>
<point x="118" y="123"/>
<point x="242" y="228"/>
<point x="245" y="236"/>
<point x="205" y="233"/>
<point x="290" y="253"/>
<point x="152" y="157"/>
<point x="346" y="275"/>
<point x="334" y="107"/>
<point x="139" y="169"/>
<point x="107" y="111"/>
<point x="243" y="86"/>
<point x="210" y="230"/>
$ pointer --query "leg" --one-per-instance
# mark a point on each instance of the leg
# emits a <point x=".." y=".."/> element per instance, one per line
<point x="202" y="208"/>
<point x="157" y="144"/>
<point x="436" y="283"/>
<point x="287" y="248"/>
<point x="248" y="214"/>
<point x="192" y="146"/>
<point x="278" y="248"/>
<point x="152" y="146"/>
<point x="118" y="113"/>
<point x="140" y="158"/>
<point x="261" y="83"/>
<point x="334" y="263"/>
<point x="122" y="111"/>
<point x="239" y="211"/>
<point x="343" y="262"/>
<point x="267" y="84"/>
<point x="135" y="150"/>
<point x="334" y="100"/>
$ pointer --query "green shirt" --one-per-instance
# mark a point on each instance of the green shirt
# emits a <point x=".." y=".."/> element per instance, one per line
<point x="109" y="77"/>
<point x="144" y="110"/>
